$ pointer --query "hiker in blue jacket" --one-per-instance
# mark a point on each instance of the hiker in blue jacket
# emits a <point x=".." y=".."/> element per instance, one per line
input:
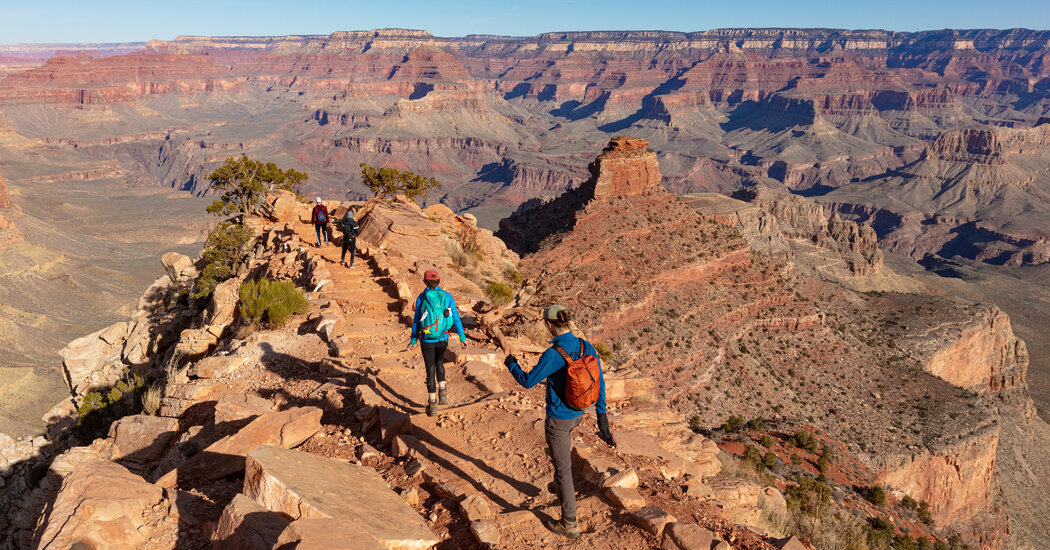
<point x="552" y="368"/>
<point x="436" y="314"/>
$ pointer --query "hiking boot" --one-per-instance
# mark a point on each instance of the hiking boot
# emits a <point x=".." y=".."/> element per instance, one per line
<point x="432" y="409"/>
<point x="565" y="527"/>
<point x="442" y="396"/>
<point x="342" y="263"/>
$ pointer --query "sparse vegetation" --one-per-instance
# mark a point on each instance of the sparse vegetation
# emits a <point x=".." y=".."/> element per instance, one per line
<point x="386" y="182"/>
<point x="514" y="276"/>
<point x="222" y="256"/>
<point x="243" y="181"/>
<point x="270" y="302"/>
<point x="498" y="293"/>
<point x="804" y="440"/>
<point x="100" y="408"/>
<point x="151" y="399"/>
<point x="874" y="494"/>
<point x="733" y="424"/>
<point x="603" y="351"/>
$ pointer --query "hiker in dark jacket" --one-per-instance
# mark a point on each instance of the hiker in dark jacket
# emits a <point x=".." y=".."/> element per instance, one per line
<point x="562" y="418"/>
<point x="319" y="217"/>
<point x="350" y="230"/>
<point x="436" y="314"/>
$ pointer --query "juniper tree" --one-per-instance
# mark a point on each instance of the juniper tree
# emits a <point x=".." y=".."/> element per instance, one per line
<point x="384" y="182"/>
<point x="243" y="181"/>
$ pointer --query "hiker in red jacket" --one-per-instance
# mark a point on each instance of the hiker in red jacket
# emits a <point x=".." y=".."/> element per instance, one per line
<point x="319" y="217"/>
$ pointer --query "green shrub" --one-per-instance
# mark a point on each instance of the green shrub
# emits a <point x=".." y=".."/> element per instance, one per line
<point x="909" y="503"/>
<point x="874" y="494"/>
<point x="804" y="440"/>
<point x="270" y="301"/>
<point x="925" y="515"/>
<point x="733" y="424"/>
<point x="767" y="441"/>
<point x="695" y="423"/>
<point x="769" y="460"/>
<point x="757" y="423"/>
<point x="498" y="293"/>
<point x="222" y="256"/>
<point x="514" y="276"/>
<point x="603" y="351"/>
<point x="796" y="460"/>
<point x="752" y="455"/>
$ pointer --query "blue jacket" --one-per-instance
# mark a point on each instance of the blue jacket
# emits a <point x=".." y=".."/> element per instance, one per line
<point x="457" y="324"/>
<point x="552" y="368"/>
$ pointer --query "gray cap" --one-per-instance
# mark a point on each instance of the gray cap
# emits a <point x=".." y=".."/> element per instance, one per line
<point x="551" y="313"/>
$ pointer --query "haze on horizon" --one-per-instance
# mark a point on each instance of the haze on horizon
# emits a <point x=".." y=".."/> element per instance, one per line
<point x="65" y="21"/>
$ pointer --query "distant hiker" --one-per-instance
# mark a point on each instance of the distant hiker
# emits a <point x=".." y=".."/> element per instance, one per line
<point x="350" y="231"/>
<point x="575" y="382"/>
<point x="435" y="316"/>
<point x="319" y="217"/>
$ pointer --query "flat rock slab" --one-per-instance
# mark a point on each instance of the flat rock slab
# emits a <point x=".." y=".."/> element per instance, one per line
<point x="225" y="457"/>
<point x="306" y="486"/>
<point x="326" y="534"/>
<point x="103" y="505"/>
<point x="244" y="525"/>
<point x="653" y="519"/>
<point x="237" y="407"/>
<point x="463" y="355"/>
<point x="627" y="498"/>
<point x="142" y="438"/>
<point x="216" y="366"/>
<point x="686" y="536"/>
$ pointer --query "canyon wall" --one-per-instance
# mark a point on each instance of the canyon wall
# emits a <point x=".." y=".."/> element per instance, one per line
<point x="9" y="234"/>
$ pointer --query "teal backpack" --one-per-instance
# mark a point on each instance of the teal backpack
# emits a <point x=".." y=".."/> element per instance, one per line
<point x="437" y="313"/>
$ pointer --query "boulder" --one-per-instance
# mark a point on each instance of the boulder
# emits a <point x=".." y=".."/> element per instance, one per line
<point x="239" y="407"/>
<point x="740" y="498"/>
<point x="653" y="519"/>
<point x="174" y="264"/>
<point x="195" y="343"/>
<point x="627" y="478"/>
<point x="475" y="507"/>
<point x="279" y="206"/>
<point x="179" y="399"/>
<point x="223" y="305"/>
<point x="103" y="505"/>
<point x="485" y="532"/>
<point x="306" y="486"/>
<point x="225" y="457"/>
<point x="407" y="445"/>
<point x="325" y="534"/>
<point x="83" y="360"/>
<point x="393" y="422"/>
<point x="789" y="543"/>
<point x="244" y="525"/>
<point x="140" y="439"/>
<point x="687" y="536"/>
<point x="625" y="497"/>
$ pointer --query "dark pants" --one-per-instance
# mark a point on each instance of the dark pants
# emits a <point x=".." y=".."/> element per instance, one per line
<point x="351" y="244"/>
<point x="434" y="359"/>
<point x="322" y="231"/>
<point x="559" y="447"/>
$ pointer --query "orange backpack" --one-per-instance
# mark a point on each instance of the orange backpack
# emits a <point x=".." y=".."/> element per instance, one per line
<point x="582" y="379"/>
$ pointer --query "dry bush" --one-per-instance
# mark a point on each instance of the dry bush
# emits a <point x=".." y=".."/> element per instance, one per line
<point x="151" y="399"/>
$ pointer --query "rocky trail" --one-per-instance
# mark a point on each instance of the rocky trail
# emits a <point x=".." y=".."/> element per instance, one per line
<point x="315" y="433"/>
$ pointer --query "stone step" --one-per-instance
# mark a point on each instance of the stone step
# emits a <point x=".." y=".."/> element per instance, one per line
<point x="306" y="486"/>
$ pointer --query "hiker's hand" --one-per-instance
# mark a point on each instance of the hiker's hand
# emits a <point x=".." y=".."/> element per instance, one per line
<point x="462" y="340"/>
<point x="603" y="429"/>
<point x="411" y="343"/>
<point x="510" y="360"/>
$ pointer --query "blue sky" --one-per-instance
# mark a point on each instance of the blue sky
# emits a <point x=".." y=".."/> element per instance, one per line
<point x="127" y="20"/>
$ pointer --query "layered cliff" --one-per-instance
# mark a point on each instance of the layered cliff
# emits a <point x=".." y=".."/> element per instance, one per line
<point x="720" y="329"/>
